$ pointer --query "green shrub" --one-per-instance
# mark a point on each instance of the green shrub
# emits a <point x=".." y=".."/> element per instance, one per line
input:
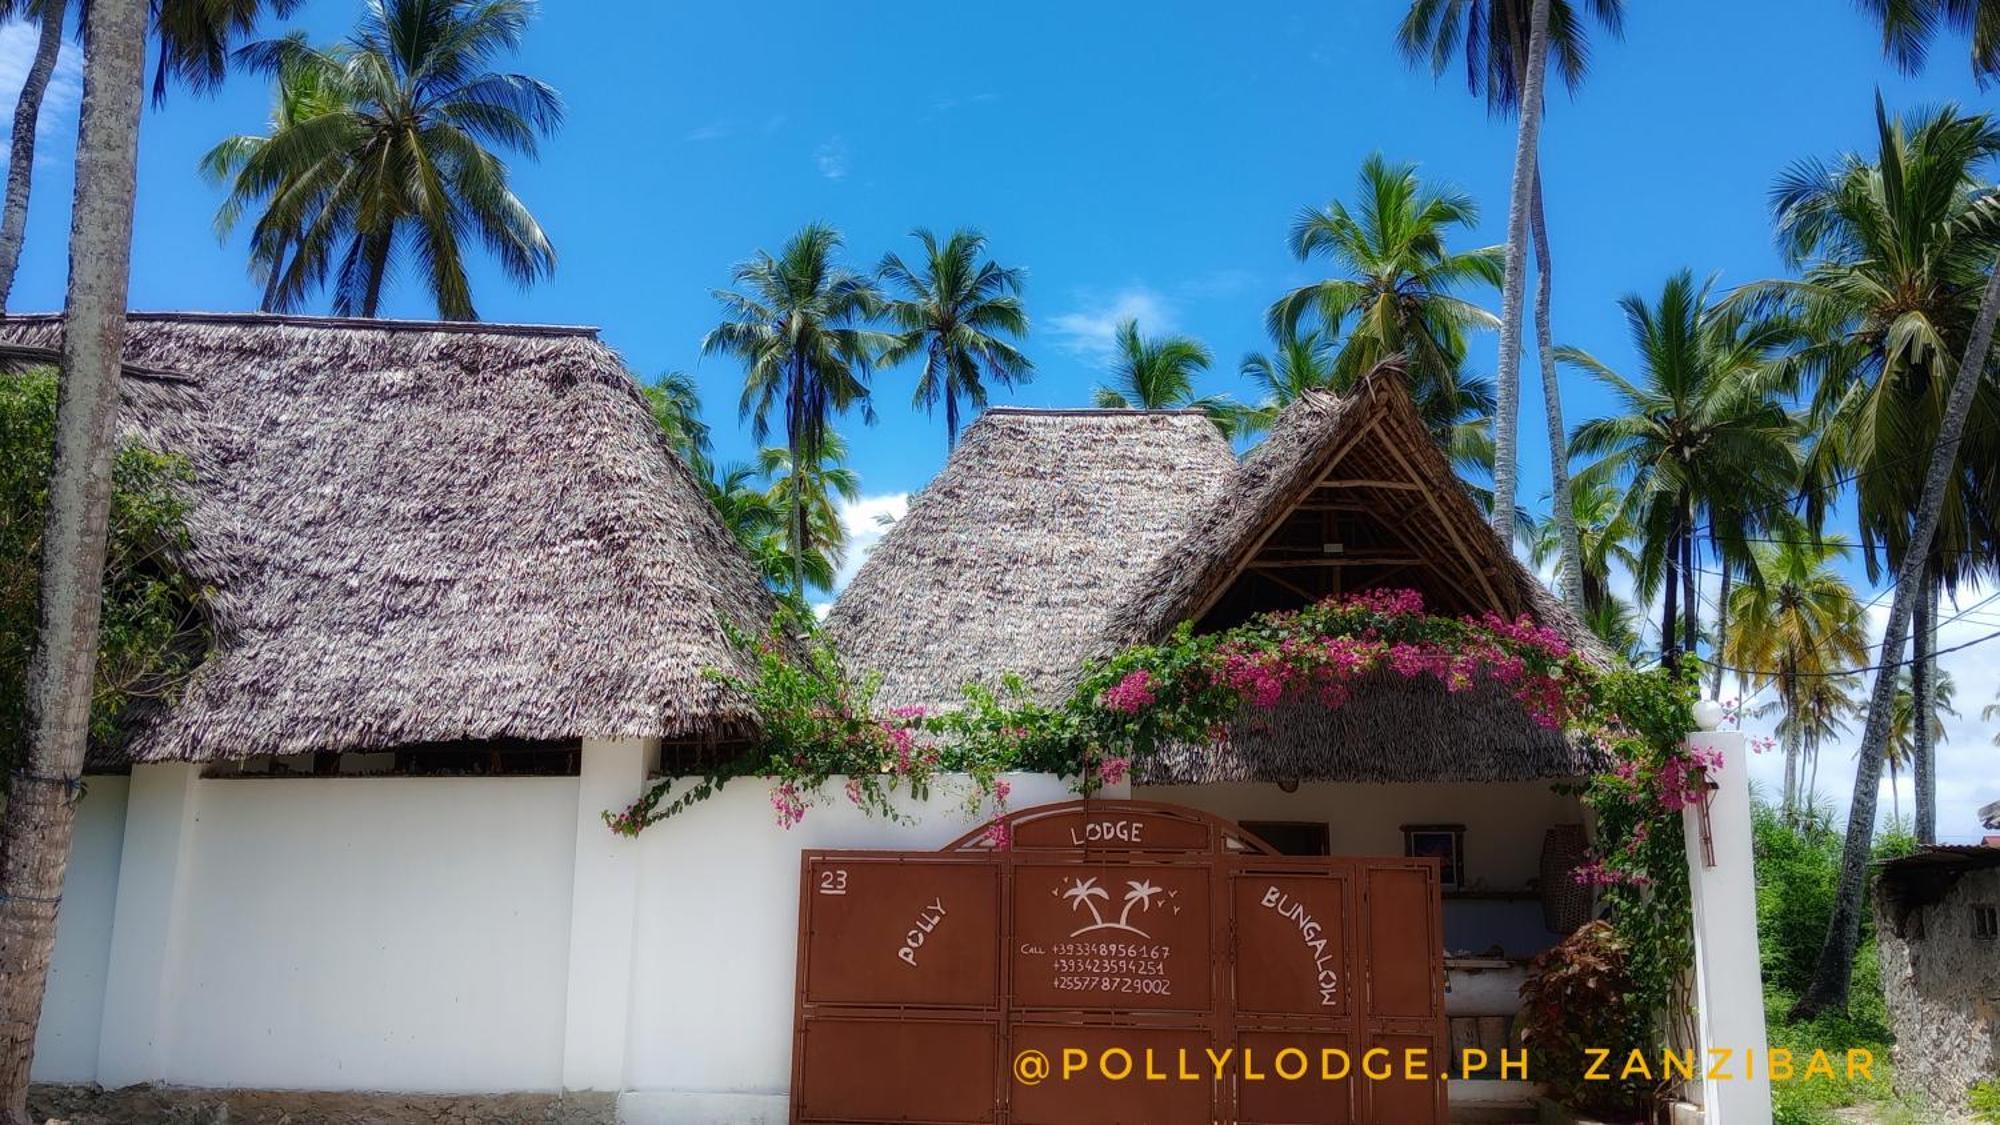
<point x="1985" y="1098"/>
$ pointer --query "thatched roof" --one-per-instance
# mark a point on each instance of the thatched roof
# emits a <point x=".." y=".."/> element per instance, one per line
<point x="425" y="533"/>
<point x="1346" y="493"/>
<point x="1014" y="557"/>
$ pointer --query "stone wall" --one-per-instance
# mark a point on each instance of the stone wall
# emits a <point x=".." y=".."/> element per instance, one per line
<point x="176" y="1105"/>
<point x="1943" y="991"/>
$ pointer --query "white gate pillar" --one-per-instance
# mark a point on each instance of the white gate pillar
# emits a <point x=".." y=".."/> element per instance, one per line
<point x="1729" y="985"/>
<point x="604" y="901"/>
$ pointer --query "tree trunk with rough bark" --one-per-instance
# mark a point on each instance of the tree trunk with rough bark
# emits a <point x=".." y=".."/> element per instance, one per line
<point x="1828" y="990"/>
<point x="1721" y="631"/>
<point x="1670" y="593"/>
<point x="1545" y="350"/>
<point x="1789" y="805"/>
<point x="41" y="812"/>
<point x="1690" y="612"/>
<point x="21" y="153"/>
<point x="1507" y="420"/>
<point x="1923" y="705"/>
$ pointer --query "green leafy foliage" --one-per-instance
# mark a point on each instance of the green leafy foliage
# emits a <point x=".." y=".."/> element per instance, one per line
<point x="1581" y="997"/>
<point x="154" y="631"/>
<point x="1985" y="1099"/>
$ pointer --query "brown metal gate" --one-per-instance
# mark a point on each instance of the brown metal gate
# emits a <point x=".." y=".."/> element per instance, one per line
<point x="1143" y="936"/>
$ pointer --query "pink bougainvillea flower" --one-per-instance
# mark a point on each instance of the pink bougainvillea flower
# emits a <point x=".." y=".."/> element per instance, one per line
<point x="1113" y="770"/>
<point x="1132" y="693"/>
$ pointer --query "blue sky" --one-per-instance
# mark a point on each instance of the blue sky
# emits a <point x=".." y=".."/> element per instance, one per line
<point x="1134" y="159"/>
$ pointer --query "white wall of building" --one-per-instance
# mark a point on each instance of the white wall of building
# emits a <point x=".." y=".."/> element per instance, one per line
<point x="718" y="930"/>
<point x="73" y="1005"/>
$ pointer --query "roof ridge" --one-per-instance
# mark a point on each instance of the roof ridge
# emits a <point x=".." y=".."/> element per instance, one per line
<point x="297" y="320"/>
<point x="1096" y="411"/>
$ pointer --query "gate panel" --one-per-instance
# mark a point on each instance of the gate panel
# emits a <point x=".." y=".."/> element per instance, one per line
<point x="1089" y="1097"/>
<point x="887" y="1069"/>
<point x="912" y="930"/>
<point x="1292" y="945"/>
<point x="1404" y="1013"/>
<point x="1324" y="1096"/>
<point x="1112" y="937"/>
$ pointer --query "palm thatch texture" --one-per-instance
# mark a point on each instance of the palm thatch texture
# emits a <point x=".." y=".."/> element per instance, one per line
<point x="1052" y="538"/>
<point x="1010" y="560"/>
<point x="421" y="533"/>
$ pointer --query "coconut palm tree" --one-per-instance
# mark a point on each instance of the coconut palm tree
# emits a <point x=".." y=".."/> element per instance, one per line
<point x="1158" y="373"/>
<point x="808" y="492"/>
<point x="676" y="404"/>
<point x="1908" y="25"/>
<point x="1794" y="626"/>
<point x="400" y="154"/>
<point x="1989" y="713"/>
<point x="1893" y="252"/>
<point x="1299" y="363"/>
<point x="1700" y="430"/>
<point x="1904" y="728"/>
<point x="40" y="816"/>
<point x="1498" y="40"/>
<point x="194" y="39"/>
<point x="952" y="311"/>
<point x="1605" y="536"/>
<point x="1396" y="293"/>
<point x="799" y="323"/>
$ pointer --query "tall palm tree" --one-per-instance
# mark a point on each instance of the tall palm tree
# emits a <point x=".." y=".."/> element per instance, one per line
<point x="39" y="821"/>
<point x="1158" y="373"/>
<point x="814" y="487"/>
<point x="953" y="310"/>
<point x="399" y="154"/>
<point x="1604" y="534"/>
<point x="1835" y="969"/>
<point x="1499" y="38"/>
<point x="1794" y="626"/>
<point x="1700" y="430"/>
<point x="1989" y="713"/>
<point x="799" y="323"/>
<point x="194" y="39"/>
<point x="1908" y="25"/>
<point x="1904" y="728"/>
<point x="1396" y="292"/>
<point x="1818" y="716"/>
<point x="1893" y="251"/>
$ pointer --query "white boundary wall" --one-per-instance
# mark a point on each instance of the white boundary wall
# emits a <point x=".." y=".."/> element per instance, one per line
<point x="441" y="935"/>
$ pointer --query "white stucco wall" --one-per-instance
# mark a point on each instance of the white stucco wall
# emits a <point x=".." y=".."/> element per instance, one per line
<point x="717" y="932"/>
<point x="386" y="934"/>
<point x="73" y="1004"/>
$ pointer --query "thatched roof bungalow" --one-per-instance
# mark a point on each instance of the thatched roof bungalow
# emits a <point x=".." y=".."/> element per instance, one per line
<point x="424" y="534"/>
<point x="1055" y="537"/>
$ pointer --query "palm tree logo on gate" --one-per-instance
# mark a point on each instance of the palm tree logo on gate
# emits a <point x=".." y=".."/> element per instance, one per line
<point x="1082" y="894"/>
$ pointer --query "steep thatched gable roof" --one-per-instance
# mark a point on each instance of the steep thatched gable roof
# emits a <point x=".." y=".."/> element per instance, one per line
<point x="423" y="532"/>
<point x="1011" y="560"/>
<point x="1366" y="453"/>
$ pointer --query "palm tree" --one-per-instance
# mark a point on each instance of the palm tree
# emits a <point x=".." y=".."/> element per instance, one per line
<point x="1604" y="536"/>
<point x="1989" y="713"/>
<point x="1794" y="626"/>
<point x="799" y="324"/>
<point x="1300" y="363"/>
<point x="808" y="492"/>
<point x="40" y="816"/>
<point x="1159" y="374"/>
<point x="194" y="38"/>
<point x="1904" y="730"/>
<point x="397" y="155"/>
<point x="1701" y="431"/>
<point x="1893" y="251"/>
<point x="1397" y="290"/>
<point x="675" y="401"/>
<point x="1499" y="38"/>
<point x="1907" y="27"/>
<point x="1835" y="969"/>
<point x="952" y="311"/>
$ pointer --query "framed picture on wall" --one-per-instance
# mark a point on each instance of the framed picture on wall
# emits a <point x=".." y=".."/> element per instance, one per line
<point x="1442" y="842"/>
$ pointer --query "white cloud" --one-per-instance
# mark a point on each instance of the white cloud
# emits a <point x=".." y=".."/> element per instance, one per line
<point x="54" y="137"/>
<point x="713" y="131"/>
<point x="1092" y="331"/>
<point x="1968" y="764"/>
<point x="832" y="159"/>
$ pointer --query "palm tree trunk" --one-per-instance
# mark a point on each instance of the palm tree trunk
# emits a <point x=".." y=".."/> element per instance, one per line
<point x="795" y="436"/>
<point x="21" y="156"/>
<point x="41" y="811"/>
<point x="1923" y="705"/>
<point x="1790" y="803"/>
<point x="1843" y="933"/>
<point x="1507" y="420"/>
<point x="1721" y="631"/>
<point x="1545" y="349"/>
<point x="1690" y="612"/>
<point x="1895" y="794"/>
<point x="1670" y="599"/>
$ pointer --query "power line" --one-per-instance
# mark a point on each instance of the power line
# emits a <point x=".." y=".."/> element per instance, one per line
<point x="1771" y="675"/>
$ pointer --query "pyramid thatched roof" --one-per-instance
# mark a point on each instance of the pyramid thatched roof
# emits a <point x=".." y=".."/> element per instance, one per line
<point x="1051" y="538"/>
<point x="1012" y="560"/>
<point x="423" y="533"/>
